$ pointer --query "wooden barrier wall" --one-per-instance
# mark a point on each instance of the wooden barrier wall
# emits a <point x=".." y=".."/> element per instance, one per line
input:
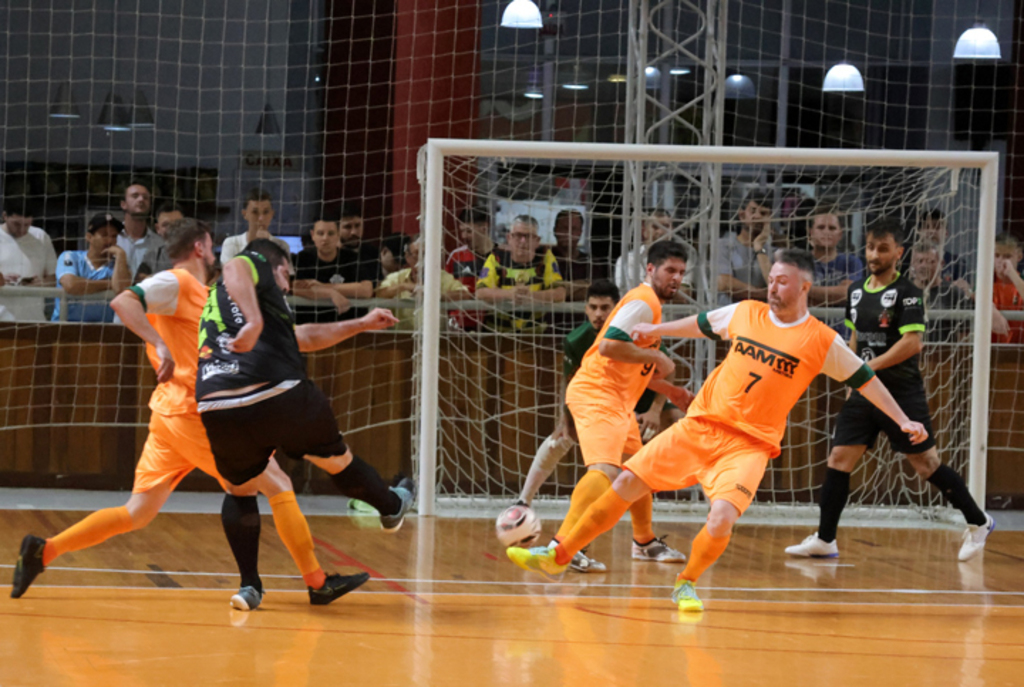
<point x="71" y="397"/>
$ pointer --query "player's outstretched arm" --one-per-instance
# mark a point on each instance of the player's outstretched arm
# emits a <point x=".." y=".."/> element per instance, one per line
<point x="686" y="328"/>
<point x="316" y="337"/>
<point x="880" y="397"/>
<point x="242" y="289"/>
<point x="133" y="314"/>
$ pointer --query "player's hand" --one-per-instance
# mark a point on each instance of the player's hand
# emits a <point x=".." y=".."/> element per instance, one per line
<point x="650" y="424"/>
<point x="664" y="367"/>
<point x="680" y="397"/>
<point x="246" y="338"/>
<point x="916" y="431"/>
<point x="378" y="318"/>
<point x="166" y="369"/>
<point x="641" y="330"/>
<point x="341" y="304"/>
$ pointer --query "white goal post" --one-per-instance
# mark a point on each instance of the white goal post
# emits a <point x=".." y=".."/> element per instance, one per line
<point x="432" y="175"/>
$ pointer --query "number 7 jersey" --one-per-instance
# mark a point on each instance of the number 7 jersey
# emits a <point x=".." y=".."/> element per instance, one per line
<point x="769" y="366"/>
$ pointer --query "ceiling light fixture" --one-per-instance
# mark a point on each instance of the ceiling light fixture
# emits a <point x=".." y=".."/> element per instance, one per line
<point x="522" y="14"/>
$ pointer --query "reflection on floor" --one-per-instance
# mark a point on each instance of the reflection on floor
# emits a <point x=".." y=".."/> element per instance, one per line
<point x="446" y="608"/>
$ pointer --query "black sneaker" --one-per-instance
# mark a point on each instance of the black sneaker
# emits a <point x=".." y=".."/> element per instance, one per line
<point x="406" y="491"/>
<point x="335" y="587"/>
<point x="29" y="565"/>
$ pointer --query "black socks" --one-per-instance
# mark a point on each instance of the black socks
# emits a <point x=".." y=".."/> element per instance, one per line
<point x="834" y="492"/>
<point x="953" y="488"/>
<point x="240" y="516"/>
<point x="360" y="481"/>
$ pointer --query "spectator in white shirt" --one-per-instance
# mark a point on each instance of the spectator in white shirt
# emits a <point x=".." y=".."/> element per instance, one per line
<point x="258" y="212"/>
<point x="137" y="238"/>
<point x="27" y="258"/>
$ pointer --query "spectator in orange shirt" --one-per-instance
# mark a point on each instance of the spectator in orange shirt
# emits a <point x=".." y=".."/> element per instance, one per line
<point x="1008" y="290"/>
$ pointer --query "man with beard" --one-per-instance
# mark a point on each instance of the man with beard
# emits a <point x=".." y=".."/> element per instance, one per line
<point x="164" y="310"/>
<point x="735" y="425"/>
<point x="603" y="393"/>
<point x="137" y="238"/>
<point x="886" y="313"/>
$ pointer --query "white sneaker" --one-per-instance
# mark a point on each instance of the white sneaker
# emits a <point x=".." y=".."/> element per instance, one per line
<point x="812" y="547"/>
<point x="974" y="539"/>
<point x="582" y="563"/>
<point x="658" y="551"/>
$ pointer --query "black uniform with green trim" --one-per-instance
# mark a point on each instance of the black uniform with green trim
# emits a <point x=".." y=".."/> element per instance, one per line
<point x="276" y="356"/>
<point x="880" y="317"/>
<point x="258" y="402"/>
<point x="576" y="345"/>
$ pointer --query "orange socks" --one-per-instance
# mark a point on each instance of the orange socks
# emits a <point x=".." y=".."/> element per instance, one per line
<point x="587" y="491"/>
<point x="705" y="551"/>
<point x="96" y="528"/>
<point x="598" y="519"/>
<point x="294" y="532"/>
<point x="642" y="513"/>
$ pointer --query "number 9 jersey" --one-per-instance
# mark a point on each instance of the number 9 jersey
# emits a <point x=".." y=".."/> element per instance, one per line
<point x="769" y="366"/>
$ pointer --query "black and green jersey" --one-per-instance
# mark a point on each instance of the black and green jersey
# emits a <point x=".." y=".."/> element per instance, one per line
<point x="274" y="359"/>
<point x="576" y="345"/>
<point x="880" y="317"/>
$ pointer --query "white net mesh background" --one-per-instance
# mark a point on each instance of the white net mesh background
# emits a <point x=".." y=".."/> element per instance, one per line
<point x="501" y="388"/>
<point x="322" y="103"/>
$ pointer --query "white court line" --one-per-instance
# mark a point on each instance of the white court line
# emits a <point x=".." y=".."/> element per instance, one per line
<point x="412" y="580"/>
<point x="568" y="597"/>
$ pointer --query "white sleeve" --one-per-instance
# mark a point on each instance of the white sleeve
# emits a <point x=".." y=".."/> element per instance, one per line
<point x="159" y="293"/>
<point x="229" y="250"/>
<point x="843" y="365"/>
<point x="714" y="324"/>
<point x="630" y="315"/>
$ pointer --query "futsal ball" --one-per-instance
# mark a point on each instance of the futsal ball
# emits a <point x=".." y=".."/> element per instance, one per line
<point x="517" y="526"/>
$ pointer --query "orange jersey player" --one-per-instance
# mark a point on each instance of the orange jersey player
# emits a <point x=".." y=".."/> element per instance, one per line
<point x="735" y="425"/>
<point x="164" y="310"/>
<point x="604" y="392"/>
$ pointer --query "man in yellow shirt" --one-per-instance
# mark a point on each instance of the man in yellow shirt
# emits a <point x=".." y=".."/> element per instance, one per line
<point x="406" y="283"/>
<point x="523" y="274"/>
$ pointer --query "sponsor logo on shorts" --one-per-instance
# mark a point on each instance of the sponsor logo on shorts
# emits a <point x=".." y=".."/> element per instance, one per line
<point x="214" y="368"/>
<point x="889" y="298"/>
<point x="782" y="363"/>
<point x="742" y="489"/>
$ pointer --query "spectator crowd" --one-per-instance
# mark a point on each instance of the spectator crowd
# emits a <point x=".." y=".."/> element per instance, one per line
<point x="516" y="271"/>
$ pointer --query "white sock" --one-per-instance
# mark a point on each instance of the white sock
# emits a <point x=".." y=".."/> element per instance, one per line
<point x="548" y="456"/>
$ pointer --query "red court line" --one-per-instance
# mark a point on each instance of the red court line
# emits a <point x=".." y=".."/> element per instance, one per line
<point x="344" y="559"/>
<point x="796" y="633"/>
<point x="63" y="618"/>
<point x="490" y="556"/>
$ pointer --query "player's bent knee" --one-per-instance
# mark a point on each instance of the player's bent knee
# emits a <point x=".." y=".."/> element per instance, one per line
<point x="274" y="480"/>
<point x="611" y="471"/>
<point x="630" y="487"/>
<point x="143" y="506"/>
<point x="722" y="517"/>
<point x="845" y="458"/>
<point x="925" y="464"/>
<point x="332" y="465"/>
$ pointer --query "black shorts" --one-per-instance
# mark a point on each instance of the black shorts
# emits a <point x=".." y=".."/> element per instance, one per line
<point x="298" y="422"/>
<point x="859" y="422"/>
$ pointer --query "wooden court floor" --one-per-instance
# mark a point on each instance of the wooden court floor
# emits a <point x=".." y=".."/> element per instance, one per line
<point x="446" y="608"/>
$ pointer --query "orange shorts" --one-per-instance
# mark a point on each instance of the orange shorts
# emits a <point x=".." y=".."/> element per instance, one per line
<point x="605" y="433"/>
<point x="176" y="445"/>
<point x="728" y="464"/>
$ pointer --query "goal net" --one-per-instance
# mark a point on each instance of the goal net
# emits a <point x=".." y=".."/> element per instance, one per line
<point x="495" y="393"/>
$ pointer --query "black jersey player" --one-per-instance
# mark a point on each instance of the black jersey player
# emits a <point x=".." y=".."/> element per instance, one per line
<point x="886" y="313"/>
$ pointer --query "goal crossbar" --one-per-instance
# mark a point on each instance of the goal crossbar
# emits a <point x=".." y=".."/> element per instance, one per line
<point x="431" y="177"/>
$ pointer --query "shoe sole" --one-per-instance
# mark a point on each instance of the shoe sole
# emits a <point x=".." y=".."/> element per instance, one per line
<point x="663" y="560"/>
<point x="813" y="555"/>
<point x="239" y="604"/>
<point x="361" y="579"/>
<point x="536" y="571"/>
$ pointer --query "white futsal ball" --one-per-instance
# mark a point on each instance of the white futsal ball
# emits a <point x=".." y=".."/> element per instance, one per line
<point x="517" y="526"/>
